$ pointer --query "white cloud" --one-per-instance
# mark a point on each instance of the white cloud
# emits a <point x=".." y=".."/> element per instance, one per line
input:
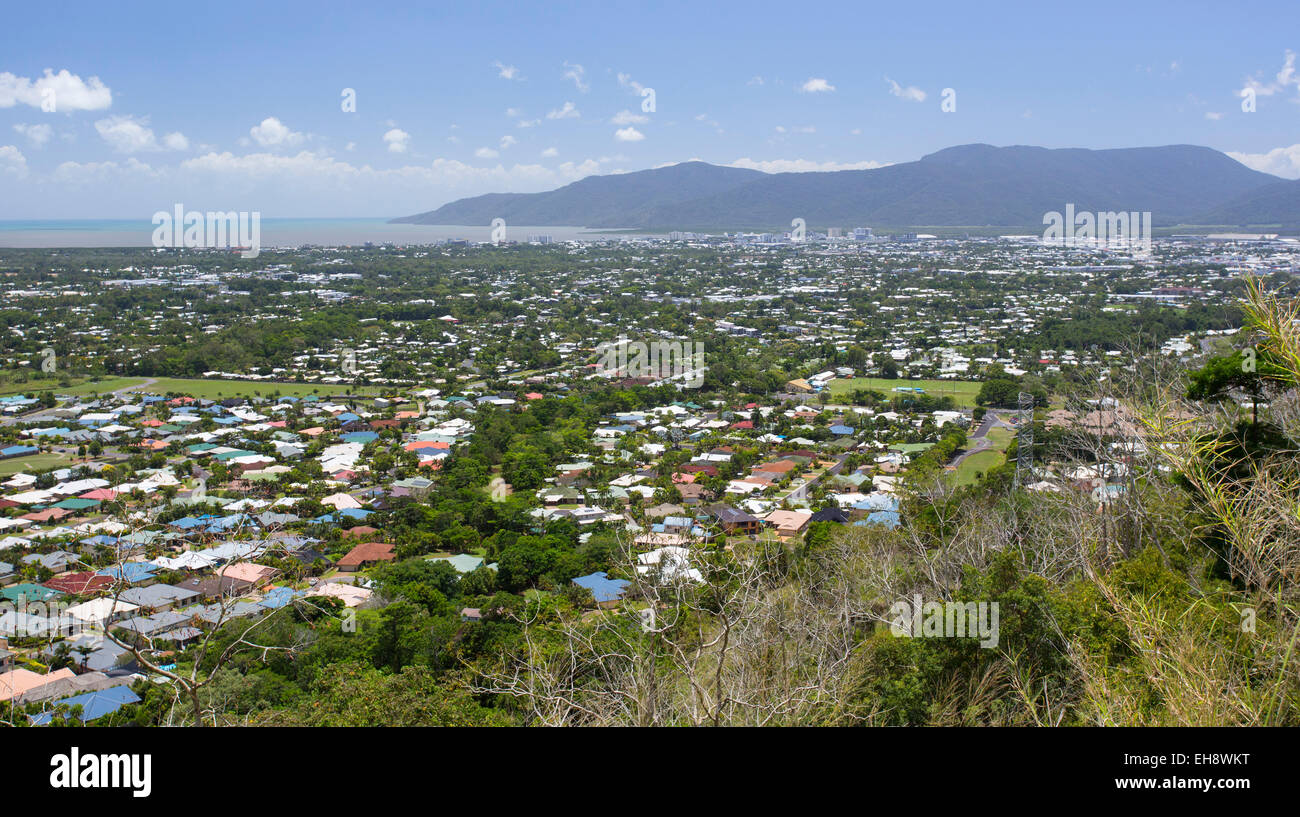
<point x="12" y="161"/>
<point x="1284" y="162"/>
<point x="127" y="134"/>
<point x="528" y="123"/>
<point x="67" y="91"/>
<point x="266" y="165"/>
<point x="578" y="74"/>
<point x="803" y="165"/>
<point x="628" y="134"/>
<point x="486" y="153"/>
<point x="176" y="141"/>
<point x="626" y="81"/>
<point x="550" y="153"/>
<point x="508" y="141"/>
<point x="579" y="171"/>
<point x="103" y="172"/>
<point x="910" y="92"/>
<point x="713" y="123"/>
<point x="514" y="113"/>
<point x="38" y="135"/>
<point x="397" y="140"/>
<point x="1213" y="116"/>
<point x="274" y="133"/>
<point x="755" y="80"/>
<point x="351" y="146"/>
<point x="506" y="71"/>
<point x="1284" y="78"/>
<point x="816" y="85"/>
<point x="628" y="118"/>
<point x="568" y="111"/>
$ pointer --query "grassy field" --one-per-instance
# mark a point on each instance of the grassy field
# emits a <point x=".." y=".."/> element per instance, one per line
<point x="1000" y="437"/>
<point x="978" y="463"/>
<point x="80" y="385"/>
<point x="963" y="392"/>
<point x="33" y="463"/>
<point x="212" y="389"/>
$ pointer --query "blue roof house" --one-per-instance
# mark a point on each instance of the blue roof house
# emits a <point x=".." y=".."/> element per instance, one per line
<point x="94" y="705"/>
<point x="606" y="591"/>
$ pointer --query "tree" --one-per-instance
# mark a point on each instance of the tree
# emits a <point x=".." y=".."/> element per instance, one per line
<point x="1223" y="374"/>
<point x="352" y="694"/>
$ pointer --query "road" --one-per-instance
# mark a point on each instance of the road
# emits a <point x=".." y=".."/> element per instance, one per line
<point x="982" y="442"/>
<point x="800" y="493"/>
<point x="148" y="381"/>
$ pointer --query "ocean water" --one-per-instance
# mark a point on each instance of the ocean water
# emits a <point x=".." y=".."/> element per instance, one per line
<point x="276" y="232"/>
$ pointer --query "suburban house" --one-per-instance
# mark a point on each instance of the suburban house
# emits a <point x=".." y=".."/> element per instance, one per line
<point x="364" y="555"/>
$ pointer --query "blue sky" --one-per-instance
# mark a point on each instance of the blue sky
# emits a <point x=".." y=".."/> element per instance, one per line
<point x="239" y="105"/>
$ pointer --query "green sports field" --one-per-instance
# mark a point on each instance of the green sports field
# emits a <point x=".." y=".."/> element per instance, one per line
<point x="33" y="463"/>
<point x="963" y="392"/>
<point x="213" y="389"/>
<point x="78" y="385"/>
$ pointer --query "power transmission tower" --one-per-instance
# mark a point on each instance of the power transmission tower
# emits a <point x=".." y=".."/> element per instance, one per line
<point x="1025" y="441"/>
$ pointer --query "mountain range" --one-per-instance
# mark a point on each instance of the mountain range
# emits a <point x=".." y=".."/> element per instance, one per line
<point x="964" y="186"/>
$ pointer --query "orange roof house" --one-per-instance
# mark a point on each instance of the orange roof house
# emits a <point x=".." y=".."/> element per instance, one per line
<point x="788" y="523"/>
<point x="79" y="584"/>
<point x="432" y="445"/>
<point x="366" y="553"/>
<point x="778" y="467"/>
<point x="47" y="515"/>
<point x="250" y="572"/>
<point x="360" y="531"/>
<point x="16" y="683"/>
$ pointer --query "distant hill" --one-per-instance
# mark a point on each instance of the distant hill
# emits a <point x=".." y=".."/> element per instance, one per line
<point x="619" y="200"/>
<point x="1277" y="203"/>
<point x="969" y="185"/>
